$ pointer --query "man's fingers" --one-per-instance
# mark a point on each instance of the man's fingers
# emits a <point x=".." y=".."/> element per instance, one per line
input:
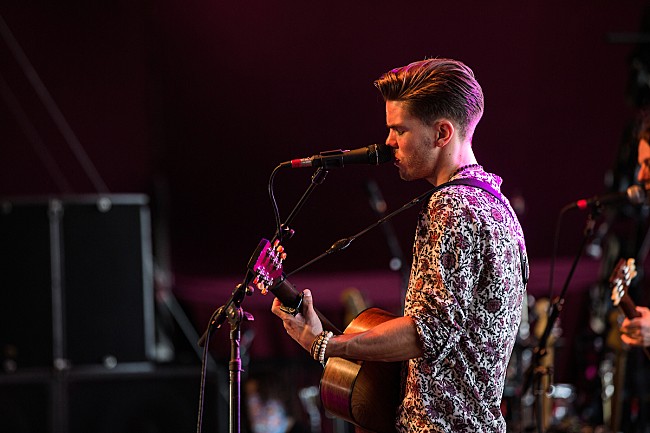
<point x="277" y="310"/>
<point x="307" y="299"/>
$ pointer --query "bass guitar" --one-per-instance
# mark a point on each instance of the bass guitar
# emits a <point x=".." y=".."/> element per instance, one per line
<point x="364" y="393"/>
<point x="622" y="276"/>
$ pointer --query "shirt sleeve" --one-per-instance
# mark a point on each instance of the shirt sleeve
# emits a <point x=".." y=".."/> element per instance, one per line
<point x="443" y="275"/>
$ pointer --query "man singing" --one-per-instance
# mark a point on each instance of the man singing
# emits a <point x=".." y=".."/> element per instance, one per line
<point x="467" y="281"/>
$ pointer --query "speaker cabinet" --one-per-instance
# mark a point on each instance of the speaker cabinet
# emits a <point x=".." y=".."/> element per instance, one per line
<point x="162" y="401"/>
<point x="143" y="399"/>
<point x="25" y="285"/>
<point x="76" y="281"/>
<point x="25" y="405"/>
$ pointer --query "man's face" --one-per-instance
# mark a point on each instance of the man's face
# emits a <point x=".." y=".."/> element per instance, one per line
<point x="644" y="164"/>
<point x="412" y="141"/>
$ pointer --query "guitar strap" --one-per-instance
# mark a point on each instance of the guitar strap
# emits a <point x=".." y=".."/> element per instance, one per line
<point x="488" y="188"/>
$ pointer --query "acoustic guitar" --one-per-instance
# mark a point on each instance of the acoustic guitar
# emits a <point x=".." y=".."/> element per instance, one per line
<point x="364" y="393"/>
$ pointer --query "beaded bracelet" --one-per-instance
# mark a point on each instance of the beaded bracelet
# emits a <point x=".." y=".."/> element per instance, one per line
<point x="318" y="346"/>
<point x="323" y="346"/>
<point x="315" y="346"/>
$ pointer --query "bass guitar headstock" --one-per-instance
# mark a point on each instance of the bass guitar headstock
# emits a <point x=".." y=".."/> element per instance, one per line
<point x="620" y="280"/>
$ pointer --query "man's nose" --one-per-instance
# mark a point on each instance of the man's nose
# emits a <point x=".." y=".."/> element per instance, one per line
<point x="390" y="140"/>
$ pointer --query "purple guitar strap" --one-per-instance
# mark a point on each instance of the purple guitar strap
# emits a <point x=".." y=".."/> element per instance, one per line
<point x="488" y="188"/>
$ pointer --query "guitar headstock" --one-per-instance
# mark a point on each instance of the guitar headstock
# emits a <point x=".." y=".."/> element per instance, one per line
<point x="266" y="264"/>
<point x="620" y="280"/>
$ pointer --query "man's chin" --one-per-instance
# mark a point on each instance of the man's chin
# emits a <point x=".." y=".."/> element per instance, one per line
<point x="407" y="176"/>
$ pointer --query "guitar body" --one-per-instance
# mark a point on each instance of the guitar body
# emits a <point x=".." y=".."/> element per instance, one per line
<point x="364" y="393"/>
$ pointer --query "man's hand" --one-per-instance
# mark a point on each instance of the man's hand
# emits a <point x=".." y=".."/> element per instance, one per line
<point x="304" y="327"/>
<point x="636" y="332"/>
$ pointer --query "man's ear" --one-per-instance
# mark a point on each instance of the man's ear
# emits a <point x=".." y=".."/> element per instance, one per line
<point x="445" y="131"/>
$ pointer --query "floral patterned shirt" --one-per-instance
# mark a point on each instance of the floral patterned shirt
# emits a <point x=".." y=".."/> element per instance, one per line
<point x="465" y="294"/>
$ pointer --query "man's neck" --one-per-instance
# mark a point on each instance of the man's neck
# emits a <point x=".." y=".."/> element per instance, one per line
<point x="458" y="157"/>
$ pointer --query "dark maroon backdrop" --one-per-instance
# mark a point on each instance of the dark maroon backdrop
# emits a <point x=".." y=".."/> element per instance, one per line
<point x="195" y="102"/>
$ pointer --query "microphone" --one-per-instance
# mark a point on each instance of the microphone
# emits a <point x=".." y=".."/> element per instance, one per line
<point x="374" y="154"/>
<point x="634" y="194"/>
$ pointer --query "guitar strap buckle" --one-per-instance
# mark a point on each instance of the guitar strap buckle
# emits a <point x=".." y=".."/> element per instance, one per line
<point x="293" y="310"/>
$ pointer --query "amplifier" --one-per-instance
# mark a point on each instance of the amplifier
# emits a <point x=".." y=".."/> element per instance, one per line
<point x="76" y="281"/>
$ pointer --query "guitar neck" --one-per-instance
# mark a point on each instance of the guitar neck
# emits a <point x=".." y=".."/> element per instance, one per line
<point x="629" y="308"/>
<point x="290" y="297"/>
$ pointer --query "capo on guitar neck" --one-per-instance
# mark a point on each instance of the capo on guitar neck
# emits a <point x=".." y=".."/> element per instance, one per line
<point x="293" y="310"/>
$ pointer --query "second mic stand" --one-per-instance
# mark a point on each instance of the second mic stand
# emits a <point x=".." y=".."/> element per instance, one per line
<point x="537" y="371"/>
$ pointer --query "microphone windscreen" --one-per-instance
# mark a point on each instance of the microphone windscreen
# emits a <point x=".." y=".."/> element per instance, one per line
<point x="380" y="153"/>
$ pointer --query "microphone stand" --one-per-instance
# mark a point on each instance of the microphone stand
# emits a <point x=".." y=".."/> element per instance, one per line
<point x="234" y="313"/>
<point x="537" y="371"/>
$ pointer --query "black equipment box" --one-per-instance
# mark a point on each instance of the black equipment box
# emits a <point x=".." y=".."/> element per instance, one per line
<point x="76" y="281"/>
